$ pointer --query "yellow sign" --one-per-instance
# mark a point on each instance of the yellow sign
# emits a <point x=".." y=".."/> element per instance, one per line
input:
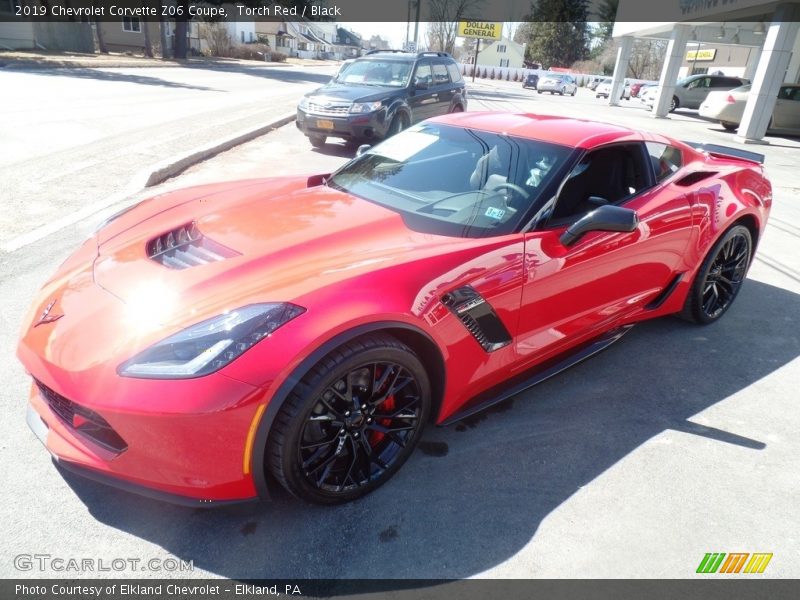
<point x="708" y="54"/>
<point x="478" y="29"/>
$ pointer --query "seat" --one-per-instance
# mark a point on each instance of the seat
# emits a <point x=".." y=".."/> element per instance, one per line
<point x="605" y="176"/>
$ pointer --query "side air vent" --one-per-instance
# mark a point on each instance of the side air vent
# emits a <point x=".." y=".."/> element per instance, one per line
<point x="478" y="317"/>
<point x="186" y="247"/>
<point x="695" y="177"/>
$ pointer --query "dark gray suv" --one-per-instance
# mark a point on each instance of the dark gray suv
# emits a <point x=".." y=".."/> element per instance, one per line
<point x="381" y="93"/>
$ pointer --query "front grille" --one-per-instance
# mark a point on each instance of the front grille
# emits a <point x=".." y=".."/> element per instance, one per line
<point x="328" y="110"/>
<point x="186" y="247"/>
<point x="82" y="420"/>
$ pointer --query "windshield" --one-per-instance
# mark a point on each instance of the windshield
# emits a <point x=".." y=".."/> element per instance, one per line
<point x="391" y="73"/>
<point x="454" y="181"/>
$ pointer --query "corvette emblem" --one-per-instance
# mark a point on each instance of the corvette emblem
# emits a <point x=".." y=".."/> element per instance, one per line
<point x="46" y="317"/>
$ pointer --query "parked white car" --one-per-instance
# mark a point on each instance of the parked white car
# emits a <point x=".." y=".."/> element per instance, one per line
<point x="603" y="89"/>
<point x="557" y="83"/>
<point x="728" y="108"/>
<point x="691" y="92"/>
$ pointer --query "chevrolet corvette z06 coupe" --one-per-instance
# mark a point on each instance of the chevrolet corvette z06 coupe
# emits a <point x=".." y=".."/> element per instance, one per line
<point x="212" y="343"/>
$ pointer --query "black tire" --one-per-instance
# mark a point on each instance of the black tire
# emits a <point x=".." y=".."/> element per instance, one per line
<point x="399" y="123"/>
<point x="720" y="277"/>
<point x="561" y="91"/>
<point x="575" y="91"/>
<point x="729" y="126"/>
<point x="317" y="140"/>
<point x="675" y="103"/>
<point x="539" y="91"/>
<point x="339" y="454"/>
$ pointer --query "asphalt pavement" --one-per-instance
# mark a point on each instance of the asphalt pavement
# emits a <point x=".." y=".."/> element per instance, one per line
<point x="676" y="441"/>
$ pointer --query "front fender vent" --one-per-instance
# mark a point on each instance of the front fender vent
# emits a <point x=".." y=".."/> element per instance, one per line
<point x="186" y="247"/>
<point x="478" y="317"/>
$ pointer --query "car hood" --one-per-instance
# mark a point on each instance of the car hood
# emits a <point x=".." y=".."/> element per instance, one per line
<point x="278" y="240"/>
<point x="335" y="92"/>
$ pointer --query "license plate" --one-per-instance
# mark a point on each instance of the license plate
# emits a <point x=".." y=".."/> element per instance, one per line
<point x="324" y="124"/>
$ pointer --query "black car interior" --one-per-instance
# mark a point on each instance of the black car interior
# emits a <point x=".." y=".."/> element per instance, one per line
<point x="606" y="176"/>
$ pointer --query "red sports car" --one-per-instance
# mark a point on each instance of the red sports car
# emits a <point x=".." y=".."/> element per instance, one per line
<point x="210" y="343"/>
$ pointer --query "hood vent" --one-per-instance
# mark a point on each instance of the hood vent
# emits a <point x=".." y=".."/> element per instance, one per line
<point x="186" y="247"/>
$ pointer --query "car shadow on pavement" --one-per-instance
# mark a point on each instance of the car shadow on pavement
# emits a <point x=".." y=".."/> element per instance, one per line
<point x="474" y="494"/>
<point x="341" y="149"/>
<point x="284" y="74"/>
<point x="101" y="75"/>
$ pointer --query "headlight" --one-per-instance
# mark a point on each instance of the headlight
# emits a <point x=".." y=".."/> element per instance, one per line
<point x="303" y="103"/>
<point x="210" y="345"/>
<point x="365" y="107"/>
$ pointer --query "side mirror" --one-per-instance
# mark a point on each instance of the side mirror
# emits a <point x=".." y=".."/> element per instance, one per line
<point x="603" y="218"/>
<point x="362" y="148"/>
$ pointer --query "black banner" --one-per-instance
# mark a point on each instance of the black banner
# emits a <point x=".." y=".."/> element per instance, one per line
<point x="399" y="589"/>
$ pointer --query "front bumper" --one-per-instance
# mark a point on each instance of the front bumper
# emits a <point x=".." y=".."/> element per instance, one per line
<point x="191" y="457"/>
<point x="356" y="126"/>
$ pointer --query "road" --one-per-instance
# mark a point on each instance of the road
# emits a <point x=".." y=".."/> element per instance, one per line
<point x="74" y="137"/>
<point x="675" y="442"/>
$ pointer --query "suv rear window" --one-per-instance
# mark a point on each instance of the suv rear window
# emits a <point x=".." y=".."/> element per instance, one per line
<point x="440" y="75"/>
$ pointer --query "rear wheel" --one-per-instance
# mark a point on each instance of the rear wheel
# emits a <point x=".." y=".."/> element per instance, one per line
<point x="720" y="277"/>
<point x="674" y="103"/>
<point x="351" y="422"/>
<point x="729" y="126"/>
<point x="317" y="140"/>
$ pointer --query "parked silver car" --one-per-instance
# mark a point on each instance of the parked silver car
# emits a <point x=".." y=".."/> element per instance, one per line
<point x="691" y="91"/>
<point x="557" y="83"/>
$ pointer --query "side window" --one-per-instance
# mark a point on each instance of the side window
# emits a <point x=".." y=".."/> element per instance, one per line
<point x="455" y="74"/>
<point x="665" y="159"/>
<point x="423" y="74"/>
<point x="608" y="175"/>
<point x="440" y="76"/>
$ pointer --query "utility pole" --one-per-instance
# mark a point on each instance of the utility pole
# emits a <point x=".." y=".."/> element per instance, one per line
<point x="475" y="61"/>
<point x="416" y="26"/>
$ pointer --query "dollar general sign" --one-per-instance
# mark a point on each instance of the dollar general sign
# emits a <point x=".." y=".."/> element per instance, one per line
<point x="478" y="29"/>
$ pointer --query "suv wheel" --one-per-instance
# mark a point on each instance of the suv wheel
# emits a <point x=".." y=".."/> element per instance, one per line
<point x="399" y="123"/>
<point x="317" y="140"/>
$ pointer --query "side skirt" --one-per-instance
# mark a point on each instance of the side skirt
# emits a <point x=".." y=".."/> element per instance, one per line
<point x="541" y="372"/>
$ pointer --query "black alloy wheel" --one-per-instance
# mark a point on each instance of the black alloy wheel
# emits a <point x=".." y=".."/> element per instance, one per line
<point x="352" y="421"/>
<point x="720" y="277"/>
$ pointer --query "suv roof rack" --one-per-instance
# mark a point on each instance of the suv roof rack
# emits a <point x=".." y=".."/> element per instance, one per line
<point x="418" y="54"/>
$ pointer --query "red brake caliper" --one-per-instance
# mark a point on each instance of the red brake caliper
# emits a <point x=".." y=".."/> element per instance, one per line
<point x="385" y="407"/>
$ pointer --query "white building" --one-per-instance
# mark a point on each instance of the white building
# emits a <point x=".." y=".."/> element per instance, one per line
<point x="768" y="28"/>
<point x="500" y="53"/>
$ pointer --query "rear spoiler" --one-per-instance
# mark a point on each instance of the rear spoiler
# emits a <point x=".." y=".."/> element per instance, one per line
<point x="727" y="152"/>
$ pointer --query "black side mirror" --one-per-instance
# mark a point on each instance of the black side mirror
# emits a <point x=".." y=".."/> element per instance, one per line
<point x="362" y="148"/>
<point x="603" y="218"/>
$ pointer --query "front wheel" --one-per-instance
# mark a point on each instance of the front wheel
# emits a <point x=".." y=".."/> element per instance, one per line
<point x="317" y="140"/>
<point x="539" y="91"/>
<point x="574" y="92"/>
<point x="720" y="277"/>
<point x="351" y="422"/>
<point x="399" y="123"/>
<point x="674" y="104"/>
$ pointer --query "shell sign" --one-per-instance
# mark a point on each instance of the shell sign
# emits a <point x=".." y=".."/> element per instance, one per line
<point x="479" y="29"/>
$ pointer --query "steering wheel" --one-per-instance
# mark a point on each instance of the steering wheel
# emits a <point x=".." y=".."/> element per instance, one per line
<point x="513" y="187"/>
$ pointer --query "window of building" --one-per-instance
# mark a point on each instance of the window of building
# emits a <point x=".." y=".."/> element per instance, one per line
<point x="503" y="62"/>
<point x="501" y="48"/>
<point x="131" y="24"/>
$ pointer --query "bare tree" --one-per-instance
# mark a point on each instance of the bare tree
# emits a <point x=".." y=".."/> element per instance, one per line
<point x="101" y="43"/>
<point x="216" y="37"/>
<point x="443" y="28"/>
<point x="148" y="43"/>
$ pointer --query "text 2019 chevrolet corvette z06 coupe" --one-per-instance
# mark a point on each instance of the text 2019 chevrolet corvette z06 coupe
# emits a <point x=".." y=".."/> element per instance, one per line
<point x="211" y="343"/>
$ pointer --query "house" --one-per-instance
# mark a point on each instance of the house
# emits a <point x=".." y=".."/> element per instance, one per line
<point x="349" y="42"/>
<point x="501" y="53"/>
<point x="276" y="36"/>
<point x="310" y="40"/>
<point x="127" y="34"/>
<point x="71" y="36"/>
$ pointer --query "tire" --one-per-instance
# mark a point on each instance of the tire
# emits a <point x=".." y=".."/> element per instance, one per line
<point x="399" y="123"/>
<point x="561" y="91"/>
<point x="457" y="109"/>
<point x="720" y="277"/>
<point x="325" y="453"/>
<point x="539" y="91"/>
<point x="317" y="140"/>
<point x="729" y="126"/>
<point x="575" y="91"/>
<point x="674" y="104"/>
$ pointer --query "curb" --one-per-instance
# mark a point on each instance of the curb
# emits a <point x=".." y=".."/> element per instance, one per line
<point x="169" y="168"/>
<point x="143" y="179"/>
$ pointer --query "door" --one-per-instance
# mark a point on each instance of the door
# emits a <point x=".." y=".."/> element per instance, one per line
<point x="574" y="292"/>
<point x="696" y="92"/>
<point x="445" y="89"/>
<point x="423" y="96"/>
<point x="786" y="114"/>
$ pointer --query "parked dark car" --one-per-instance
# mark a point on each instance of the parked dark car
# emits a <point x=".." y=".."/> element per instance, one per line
<point x="380" y="94"/>
<point x="531" y="81"/>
